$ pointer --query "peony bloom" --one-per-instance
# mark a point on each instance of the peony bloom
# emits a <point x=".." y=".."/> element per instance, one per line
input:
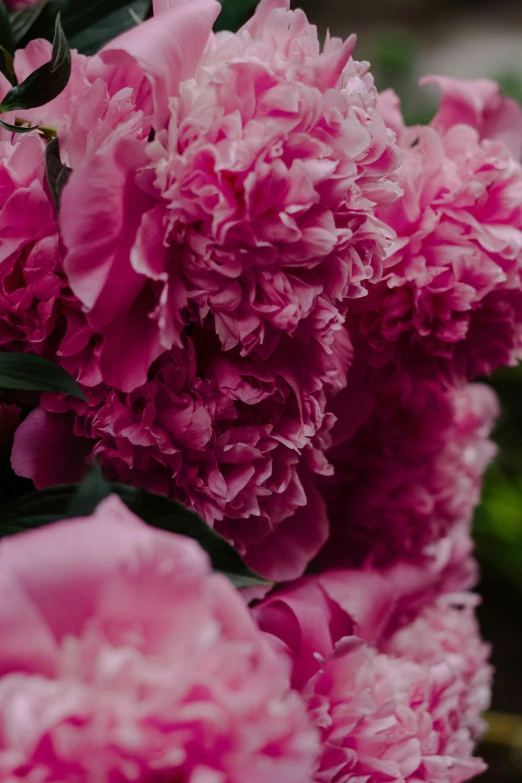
<point x="233" y="425"/>
<point x="236" y="440"/>
<point x="123" y="659"/>
<point x="479" y="104"/>
<point x="38" y="311"/>
<point x="410" y="472"/>
<point x="251" y="209"/>
<point x="394" y="698"/>
<point x="449" y="305"/>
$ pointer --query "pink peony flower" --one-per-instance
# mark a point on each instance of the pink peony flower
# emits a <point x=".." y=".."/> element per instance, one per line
<point x="479" y="104"/>
<point x="394" y="698"/>
<point x="38" y="311"/>
<point x="250" y="211"/>
<point x="449" y="305"/>
<point x="411" y="471"/>
<point x="234" y="439"/>
<point x="123" y="658"/>
<point x="234" y="426"/>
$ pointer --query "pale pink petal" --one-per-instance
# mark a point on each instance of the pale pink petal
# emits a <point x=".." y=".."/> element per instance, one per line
<point x="168" y="48"/>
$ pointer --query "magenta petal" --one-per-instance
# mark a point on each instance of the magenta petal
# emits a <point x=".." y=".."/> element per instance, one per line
<point x="99" y="232"/>
<point x="47" y="451"/>
<point x="296" y="540"/>
<point x="91" y="219"/>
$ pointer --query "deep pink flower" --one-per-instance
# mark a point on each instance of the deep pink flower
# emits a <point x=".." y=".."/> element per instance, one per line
<point x="395" y="698"/>
<point x="251" y="210"/>
<point x="409" y="473"/>
<point x="233" y="426"/>
<point x="38" y="311"/>
<point x="449" y="305"/>
<point x="235" y="439"/>
<point x="123" y="658"/>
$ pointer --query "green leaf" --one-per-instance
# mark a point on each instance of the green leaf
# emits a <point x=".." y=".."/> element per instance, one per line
<point x="93" y="489"/>
<point x="7" y="41"/>
<point x="24" y="19"/>
<point x="18" y="128"/>
<point x="241" y="581"/>
<point x="76" y="16"/>
<point x="26" y="372"/>
<point x="234" y="14"/>
<point x="50" y="505"/>
<point x="46" y="82"/>
<point x="91" y="39"/>
<point x="36" y="509"/>
<point x="57" y="172"/>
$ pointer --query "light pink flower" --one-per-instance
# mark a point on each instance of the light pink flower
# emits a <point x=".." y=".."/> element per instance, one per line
<point x="479" y="103"/>
<point x="410" y="472"/>
<point x="395" y="698"/>
<point x="124" y="658"/>
<point x="450" y="303"/>
<point x="234" y="439"/>
<point x="251" y="210"/>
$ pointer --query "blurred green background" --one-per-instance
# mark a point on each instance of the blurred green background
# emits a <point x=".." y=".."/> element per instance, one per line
<point x="405" y="39"/>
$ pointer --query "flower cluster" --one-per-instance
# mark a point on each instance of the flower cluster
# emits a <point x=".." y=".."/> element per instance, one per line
<point x="277" y="300"/>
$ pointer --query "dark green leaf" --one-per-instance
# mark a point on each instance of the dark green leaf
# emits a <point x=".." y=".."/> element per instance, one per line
<point x="93" y="489"/>
<point x="18" y="128"/>
<point x="26" y="372"/>
<point x="9" y="530"/>
<point x="51" y="505"/>
<point x="57" y="172"/>
<point x="46" y="82"/>
<point x="24" y="19"/>
<point x="6" y="32"/>
<point x="241" y="581"/>
<point x="76" y="16"/>
<point x="91" y="39"/>
<point x="36" y="509"/>
<point x="234" y="14"/>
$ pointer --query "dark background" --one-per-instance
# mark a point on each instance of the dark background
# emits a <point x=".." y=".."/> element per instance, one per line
<point x="466" y="39"/>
